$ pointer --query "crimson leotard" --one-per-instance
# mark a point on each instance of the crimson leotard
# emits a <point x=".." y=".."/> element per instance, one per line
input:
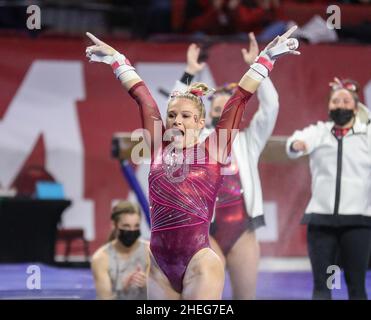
<point x="182" y="198"/>
<point x="231" y="217"/>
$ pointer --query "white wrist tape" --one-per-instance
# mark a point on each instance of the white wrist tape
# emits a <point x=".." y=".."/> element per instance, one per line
<point x="256" y="75"/>
<point x="128" y="75"/>
<point x="119" y="63"/>
<point x="263" y="65"/>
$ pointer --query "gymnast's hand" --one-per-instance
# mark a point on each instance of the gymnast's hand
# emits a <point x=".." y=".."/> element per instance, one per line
<point x="250" y="56"/>
<point x="193" y="66"/>
<point x="100" y="51"/>
<point x="280" y="46"/>
<point x="121" y="66"/>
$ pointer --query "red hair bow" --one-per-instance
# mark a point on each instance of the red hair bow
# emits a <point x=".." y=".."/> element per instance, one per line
<point x="342" y="84"/>
<point x="197" y="92"/>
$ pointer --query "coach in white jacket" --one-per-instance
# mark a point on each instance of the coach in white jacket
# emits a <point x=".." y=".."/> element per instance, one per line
<point x="339" y="211"/>
<point x="239" y="206"/>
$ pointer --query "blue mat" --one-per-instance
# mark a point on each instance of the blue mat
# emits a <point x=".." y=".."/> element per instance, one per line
<point x="73" y="283"/>
<point x="291" y="286"/>
<point x="56" y="283"/>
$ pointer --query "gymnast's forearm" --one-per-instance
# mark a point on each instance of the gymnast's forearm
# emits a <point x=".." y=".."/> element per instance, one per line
<point x="130" y="80"/>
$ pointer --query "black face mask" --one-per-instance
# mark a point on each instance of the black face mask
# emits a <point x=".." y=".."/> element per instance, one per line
<point x="128" y="237"/>
<point x="341" y="116"/>
<point x="214" y="121"/>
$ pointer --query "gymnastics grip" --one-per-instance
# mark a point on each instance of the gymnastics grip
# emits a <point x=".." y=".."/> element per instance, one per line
<point x="118" y="62"/>
<point x="285" y="47"/>
<point x="265" y="61"/>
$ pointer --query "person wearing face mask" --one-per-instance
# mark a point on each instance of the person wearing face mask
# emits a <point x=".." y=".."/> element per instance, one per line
<point x="338" y="215"/>
<point x="120" y="266"/>
<point x="239" y="204"/>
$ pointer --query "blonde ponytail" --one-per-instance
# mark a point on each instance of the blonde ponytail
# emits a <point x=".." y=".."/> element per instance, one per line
<point x="194" y="92"/>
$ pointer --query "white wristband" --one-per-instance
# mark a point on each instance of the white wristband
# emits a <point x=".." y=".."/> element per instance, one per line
<point x="128" y="75"/>
<point x="255" y="75"/>
<point x="260" y="71"/>
<point x="120" y="64"/>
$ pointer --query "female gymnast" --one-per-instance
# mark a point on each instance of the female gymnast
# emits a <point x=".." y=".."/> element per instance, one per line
<point x="239" y="204"/>
<point x="183" y="193"/>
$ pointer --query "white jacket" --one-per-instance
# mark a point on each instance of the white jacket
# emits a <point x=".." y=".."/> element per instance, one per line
<point x="353" y="180"/>
<point x="250" y="143"/>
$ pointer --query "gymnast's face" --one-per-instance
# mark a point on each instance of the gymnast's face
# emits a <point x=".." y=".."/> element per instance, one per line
<point x="342" y="99"/>
<point x="184" y="115"/>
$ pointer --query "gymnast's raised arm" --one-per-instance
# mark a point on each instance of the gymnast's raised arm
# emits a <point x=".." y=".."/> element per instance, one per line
<point x="248" y="84"/>
<point x="130" y="80"/>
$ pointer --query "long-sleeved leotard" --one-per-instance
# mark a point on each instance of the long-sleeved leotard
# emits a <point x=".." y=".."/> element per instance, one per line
<point x="182" y="196"/>
<point x="239" y="203"/>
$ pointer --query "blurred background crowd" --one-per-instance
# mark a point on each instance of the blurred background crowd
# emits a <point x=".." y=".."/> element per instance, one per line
<point x="195" y="19"/>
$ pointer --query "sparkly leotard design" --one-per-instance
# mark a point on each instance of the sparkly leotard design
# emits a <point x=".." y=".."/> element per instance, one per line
<point x="182" y="200"/>
<point x="231" y="218"/>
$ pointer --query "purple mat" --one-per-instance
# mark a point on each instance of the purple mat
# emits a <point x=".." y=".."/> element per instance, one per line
<point x="73" y="283"/>
<point x="56" y="283"/>
<point x="291" y="286"/>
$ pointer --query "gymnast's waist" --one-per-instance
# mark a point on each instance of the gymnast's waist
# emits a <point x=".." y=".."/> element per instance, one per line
<point x="195" y="223"/>
<point x="180" y="238"/>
